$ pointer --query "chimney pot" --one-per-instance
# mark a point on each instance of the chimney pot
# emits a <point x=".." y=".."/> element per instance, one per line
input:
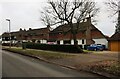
<point x="30" y="28"/>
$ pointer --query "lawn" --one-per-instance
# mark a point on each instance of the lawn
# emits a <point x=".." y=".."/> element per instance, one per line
<point x="40" y="53"/>
<point x="109" y="66"/>
<point x="88" y="51"/>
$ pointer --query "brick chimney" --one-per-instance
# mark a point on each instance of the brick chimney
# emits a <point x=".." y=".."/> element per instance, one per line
<point x="30" y="28"/>
<point x="48" y="31"/>
<point x="88" y="32"/>
<point x="20" y="29"/>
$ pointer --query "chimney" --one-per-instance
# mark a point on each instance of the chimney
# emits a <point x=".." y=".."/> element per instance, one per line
<point x="30" y="28"/>
<point x="88" y="32"/>
<point x="24" y="29"/>
<point x="89" y="20"/>
<point x="20" y="29"/>
<point x="48" y="31"/>
<point x="48" y="26"/>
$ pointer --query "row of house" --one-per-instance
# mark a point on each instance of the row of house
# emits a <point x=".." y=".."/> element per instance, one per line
<point x="87" y="34"/>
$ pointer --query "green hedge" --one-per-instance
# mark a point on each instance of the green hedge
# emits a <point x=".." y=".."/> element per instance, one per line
<point x="7" y="44"/>
<point x="63" y="48"/>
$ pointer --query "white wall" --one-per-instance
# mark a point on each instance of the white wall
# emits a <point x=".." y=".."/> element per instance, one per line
<point x="97" y="41"/>
<point x="80" y="42"/>
<point x="101" y="41"/>
<point x="24" y="40"/>
<point x="5" y="41"/>
<point x="61" y="41"/>
<point x="13" y="41"/>
<point x="43" y="41"/>
<point x="72" y="42"/>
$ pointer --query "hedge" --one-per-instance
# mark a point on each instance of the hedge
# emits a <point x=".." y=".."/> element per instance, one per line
<point x="52" y="47"/>
<point x="7" y="44"/>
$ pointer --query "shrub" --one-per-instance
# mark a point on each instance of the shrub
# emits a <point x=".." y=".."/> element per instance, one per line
<point x="7" y="44"/>
<point x="52" y="47"/>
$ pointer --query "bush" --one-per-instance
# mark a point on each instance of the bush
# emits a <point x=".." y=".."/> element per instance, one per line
<point x="7" y="44"/>
<point x="63" y="48"/>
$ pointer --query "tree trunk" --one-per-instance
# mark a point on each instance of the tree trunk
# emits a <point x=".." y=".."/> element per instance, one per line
<point x="76" y="43"/>
<point x="73" y="31"/>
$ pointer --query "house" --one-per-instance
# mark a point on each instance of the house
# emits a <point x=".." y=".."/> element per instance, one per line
<point x="114" y="42"/>
<point x="32" y="35"/>
<point x="38" y="35"/>
<point x="87" y="34"/>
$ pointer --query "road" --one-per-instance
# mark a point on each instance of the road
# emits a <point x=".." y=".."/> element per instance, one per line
<point x="15" y="65"/>
<point x="0" y="62"/>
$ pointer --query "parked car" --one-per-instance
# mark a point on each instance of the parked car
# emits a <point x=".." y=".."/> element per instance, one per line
<point x="95" y="47"/>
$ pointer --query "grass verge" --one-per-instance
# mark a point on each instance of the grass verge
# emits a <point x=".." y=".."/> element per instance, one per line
<point x="39" y="53"/>
<point x="109" y="66"/>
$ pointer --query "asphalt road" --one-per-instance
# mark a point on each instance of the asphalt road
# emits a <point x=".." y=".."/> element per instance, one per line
<point x="0" y="62"/>
<point x="15" y="65"/>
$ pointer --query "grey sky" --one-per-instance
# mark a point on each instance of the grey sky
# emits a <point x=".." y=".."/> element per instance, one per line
<point x="25" y="14"/>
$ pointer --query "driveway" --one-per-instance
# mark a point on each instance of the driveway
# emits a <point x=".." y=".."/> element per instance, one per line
<point x="83" y="59"/>
<point x="109" y="53"/>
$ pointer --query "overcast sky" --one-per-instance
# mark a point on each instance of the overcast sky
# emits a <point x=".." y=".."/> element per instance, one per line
<point x="25" y="14"/>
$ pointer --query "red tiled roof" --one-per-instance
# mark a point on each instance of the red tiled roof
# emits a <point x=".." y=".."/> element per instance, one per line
<point x="66" y="27"/>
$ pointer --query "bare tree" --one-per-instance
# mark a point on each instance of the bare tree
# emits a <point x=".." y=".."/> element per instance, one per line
<point x="45" y="18"/>
<point x="114" y="5"/>
<point x="65" y="11"/>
